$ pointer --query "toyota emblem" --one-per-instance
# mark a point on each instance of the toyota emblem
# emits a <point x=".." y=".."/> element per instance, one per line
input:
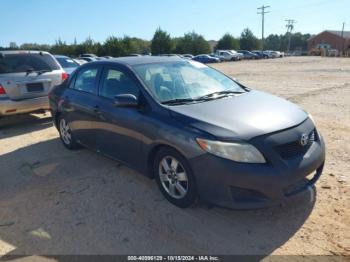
<point x="304" y="139"/>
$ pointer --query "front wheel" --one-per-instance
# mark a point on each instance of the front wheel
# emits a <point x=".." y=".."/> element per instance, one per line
<point x="66" y="134"/>
<point x="174" y="178"/>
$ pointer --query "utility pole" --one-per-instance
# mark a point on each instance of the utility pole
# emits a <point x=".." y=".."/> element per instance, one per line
<point x="290" y="27"/>
<point x="262" y="12"/>
<point x="343" y="40"/>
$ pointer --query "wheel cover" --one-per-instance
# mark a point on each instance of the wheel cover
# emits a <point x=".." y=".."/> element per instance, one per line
<point x="65" y="132"/>
<point x="173" y="177"/>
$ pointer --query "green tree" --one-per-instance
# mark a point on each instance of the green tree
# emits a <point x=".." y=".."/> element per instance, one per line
<point x="191" y="43"/>
<point x="248" y="41"/>
<point x="228" y="42"/>
<point x="273" y="42"/>
<point x="280" y="42"/>
<point x="34" y="46"/>
<point x="161" y="43"/>
<point x="113" y="46"/>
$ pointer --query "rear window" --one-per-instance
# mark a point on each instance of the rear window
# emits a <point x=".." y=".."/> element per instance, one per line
<point x="67" y="62"/>
<point x="17" y="63"/>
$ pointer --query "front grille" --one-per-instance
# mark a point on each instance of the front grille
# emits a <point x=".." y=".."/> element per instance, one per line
<point x="295" y="149"/>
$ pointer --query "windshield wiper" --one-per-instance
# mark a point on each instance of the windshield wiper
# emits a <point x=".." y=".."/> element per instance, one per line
<point x="182" y="101"/>
<point x="29" y="71"/>
<point x="40" y="72"/>
<point x="221" y="94"/>
<point x="207" y="97"/>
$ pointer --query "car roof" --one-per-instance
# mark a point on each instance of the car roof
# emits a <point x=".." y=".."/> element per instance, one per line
<point x="22" y="52"/>
<point x="139" y="60"/>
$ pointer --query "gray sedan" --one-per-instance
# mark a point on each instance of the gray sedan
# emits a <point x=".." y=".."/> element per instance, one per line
<point x="199" y="133"/>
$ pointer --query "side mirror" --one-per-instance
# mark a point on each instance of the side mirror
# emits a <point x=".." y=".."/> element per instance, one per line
<point x="125" y="100"/>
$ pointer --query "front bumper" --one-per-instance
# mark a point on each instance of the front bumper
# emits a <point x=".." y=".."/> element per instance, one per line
<point x="12" y="107"/>
<point x="247" y="186"/>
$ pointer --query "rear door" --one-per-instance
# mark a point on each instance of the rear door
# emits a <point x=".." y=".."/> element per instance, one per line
<point x="29" y="75"/>
<point x="79" y="101"/>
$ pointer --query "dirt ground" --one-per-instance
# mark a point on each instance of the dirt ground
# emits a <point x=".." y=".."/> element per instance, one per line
<point x="54" y="201"/>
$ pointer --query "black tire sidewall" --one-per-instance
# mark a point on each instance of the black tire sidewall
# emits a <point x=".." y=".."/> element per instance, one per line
<point x="191" y="195"/>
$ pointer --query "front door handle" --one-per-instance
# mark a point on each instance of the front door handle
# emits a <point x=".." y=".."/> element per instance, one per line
<point x="97" y="110"/>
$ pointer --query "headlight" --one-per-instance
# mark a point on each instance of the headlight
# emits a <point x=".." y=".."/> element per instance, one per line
<point x="239" y="152"/>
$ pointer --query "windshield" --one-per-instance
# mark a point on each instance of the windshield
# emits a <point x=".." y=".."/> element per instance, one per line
<point x="17" y="63"/>
<point x="184" y="80"/>
<point x="67" y="62"/>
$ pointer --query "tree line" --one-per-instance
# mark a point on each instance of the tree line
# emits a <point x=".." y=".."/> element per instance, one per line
<point x="163" y="43"/>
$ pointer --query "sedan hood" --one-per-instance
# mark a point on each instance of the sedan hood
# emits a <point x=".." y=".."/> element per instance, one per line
<point x="241" y="117"/>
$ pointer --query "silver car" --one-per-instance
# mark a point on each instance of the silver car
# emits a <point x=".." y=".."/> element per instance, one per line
<point x="26" y="78"/>
<point x="67" y="63"/>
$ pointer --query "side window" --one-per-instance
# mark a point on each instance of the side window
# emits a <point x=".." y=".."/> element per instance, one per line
<point x="116" y="82"/>
<point x="86" y="80"/>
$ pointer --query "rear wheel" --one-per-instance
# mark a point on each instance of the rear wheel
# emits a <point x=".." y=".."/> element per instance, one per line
<point x="66" y="135"/>
<point x="174" y="178"/>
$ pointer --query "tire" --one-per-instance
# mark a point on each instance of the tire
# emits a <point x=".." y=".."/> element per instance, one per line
<point x="66" y="135"/>
<point x="174" y="178"/>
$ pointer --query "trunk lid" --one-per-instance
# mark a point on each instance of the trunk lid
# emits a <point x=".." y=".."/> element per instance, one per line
<point x="19" y="86"/>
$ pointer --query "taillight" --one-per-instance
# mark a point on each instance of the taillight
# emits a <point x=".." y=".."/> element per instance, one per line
<point x="2" y="90"/>
<point x="64" y="76"/>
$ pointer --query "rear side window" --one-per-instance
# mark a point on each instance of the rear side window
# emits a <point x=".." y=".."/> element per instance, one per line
<point x="18" y="63"/>
<point x="86" y="80"/>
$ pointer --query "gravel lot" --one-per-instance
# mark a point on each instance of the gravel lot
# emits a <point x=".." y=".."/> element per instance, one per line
<point x="53" y="201"/>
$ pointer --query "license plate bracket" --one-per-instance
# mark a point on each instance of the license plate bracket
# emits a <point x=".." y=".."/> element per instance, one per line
<point x="35" y="87"/>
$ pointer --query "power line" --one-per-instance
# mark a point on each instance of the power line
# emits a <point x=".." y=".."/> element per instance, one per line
<point x="262" y="12"/>
<point x="342" y="36"/>
<point x="290" y="27"/>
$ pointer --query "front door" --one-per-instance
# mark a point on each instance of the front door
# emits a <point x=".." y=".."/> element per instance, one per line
<point x="119" y="132"/>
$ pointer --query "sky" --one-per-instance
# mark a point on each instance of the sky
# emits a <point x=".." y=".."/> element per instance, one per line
<point x="45" y="21"/>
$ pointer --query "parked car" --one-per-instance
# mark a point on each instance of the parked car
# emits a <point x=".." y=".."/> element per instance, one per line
<point x="88" y="55"/>
<point x="88" y="59"/>
<point x="332" y="52"/>
<point x="79" y="61"/>
<point x="261" y="54"/>
<point x="239" y="56"/>
<point x="108" y="57"/>
<point x="215" y="56"/>
<point x="67" y="63"/>
<point x="268" y="54"/>
<point x="193" y="129"/>
<point x="206" y="59"/>
<point x="273" y="54"/>
<point x="277" y="54"/>
<point x="248" y="55"/>
<point x="26" y="77"/>
<point x="187" y="56"/>
<point x="170" y="55"/>
<point x="225" y="55"/>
